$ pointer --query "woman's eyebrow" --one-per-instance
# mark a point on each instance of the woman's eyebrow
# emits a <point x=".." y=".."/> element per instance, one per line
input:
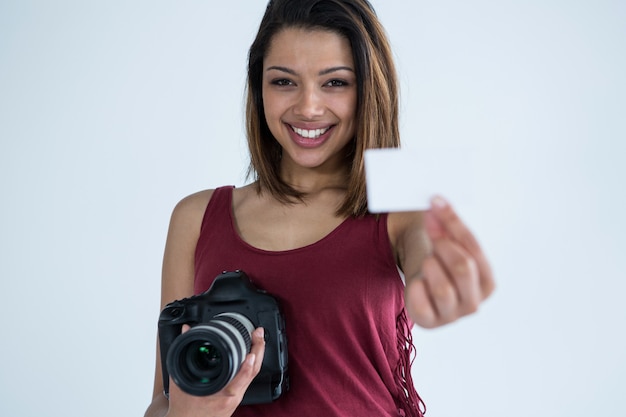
<point x="335" y="69"/>
<point x="322" y="72"/>
<point x="283" y="69"/>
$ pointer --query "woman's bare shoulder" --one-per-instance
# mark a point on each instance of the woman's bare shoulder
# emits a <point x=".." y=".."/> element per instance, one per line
<point x="189" y="211"/>
<point x="195" y="201"/>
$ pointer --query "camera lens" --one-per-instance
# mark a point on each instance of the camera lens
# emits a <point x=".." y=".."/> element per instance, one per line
<point x="207" y="357"/>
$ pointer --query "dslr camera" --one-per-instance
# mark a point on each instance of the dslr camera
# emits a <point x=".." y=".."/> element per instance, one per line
<point x="207" y="357"/>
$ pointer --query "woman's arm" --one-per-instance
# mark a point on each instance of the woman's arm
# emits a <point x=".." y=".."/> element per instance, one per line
<point x="177" y="274"/>
<point x="177" y="283"/>
<point x="447" y="274"/>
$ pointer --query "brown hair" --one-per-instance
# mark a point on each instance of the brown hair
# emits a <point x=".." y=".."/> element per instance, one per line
<point x="377" y="91"/>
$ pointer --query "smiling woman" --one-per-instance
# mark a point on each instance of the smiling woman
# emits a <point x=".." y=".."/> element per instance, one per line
<point x="321" y="90"/>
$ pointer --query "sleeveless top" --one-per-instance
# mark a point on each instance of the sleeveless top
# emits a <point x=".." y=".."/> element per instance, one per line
<point x="349" y="339"/>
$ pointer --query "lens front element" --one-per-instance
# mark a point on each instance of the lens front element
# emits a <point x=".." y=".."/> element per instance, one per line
<point x="204" y="361"/>
<point x="206" y="358"/>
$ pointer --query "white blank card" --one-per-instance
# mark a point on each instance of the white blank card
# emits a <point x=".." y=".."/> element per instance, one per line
<point x="403" y="180"/>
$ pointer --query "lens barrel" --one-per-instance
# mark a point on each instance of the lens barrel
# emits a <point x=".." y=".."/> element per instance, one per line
<point x="206" y="358"/>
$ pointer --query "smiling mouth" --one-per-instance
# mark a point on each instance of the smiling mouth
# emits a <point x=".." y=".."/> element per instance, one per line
<point x="310" y="134"/>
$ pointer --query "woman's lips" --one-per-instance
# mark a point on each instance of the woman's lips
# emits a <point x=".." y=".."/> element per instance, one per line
<point x="310" y="133"/>
<point x="309" y="138"/>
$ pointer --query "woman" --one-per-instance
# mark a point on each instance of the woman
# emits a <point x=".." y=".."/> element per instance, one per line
<point x="322" y="89"/>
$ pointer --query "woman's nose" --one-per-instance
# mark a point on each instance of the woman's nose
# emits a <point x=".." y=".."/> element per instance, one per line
<point x="309" y="104"/>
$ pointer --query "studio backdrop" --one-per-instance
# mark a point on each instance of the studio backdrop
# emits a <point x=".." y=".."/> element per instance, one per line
<point x="111" y="112"/>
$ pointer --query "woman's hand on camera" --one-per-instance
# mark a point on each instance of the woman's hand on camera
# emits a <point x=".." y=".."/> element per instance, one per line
<point x="224" y="402"/>
<point x="448" y="275"/>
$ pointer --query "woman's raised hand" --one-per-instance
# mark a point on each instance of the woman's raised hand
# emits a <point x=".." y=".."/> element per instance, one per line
<point x="455" y="276"/>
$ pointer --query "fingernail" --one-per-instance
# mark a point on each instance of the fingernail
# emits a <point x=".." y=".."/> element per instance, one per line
<point x="438" y="202"/>
<point x="260" y="332"/>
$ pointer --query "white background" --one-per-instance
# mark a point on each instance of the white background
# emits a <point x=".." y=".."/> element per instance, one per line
<point x="110" y="112"/>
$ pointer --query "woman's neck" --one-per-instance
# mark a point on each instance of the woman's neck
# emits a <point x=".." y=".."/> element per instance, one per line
<point x="332" y="175"/>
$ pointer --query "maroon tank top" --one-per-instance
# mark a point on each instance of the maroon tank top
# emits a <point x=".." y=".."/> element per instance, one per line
<point x="349" y="339"/>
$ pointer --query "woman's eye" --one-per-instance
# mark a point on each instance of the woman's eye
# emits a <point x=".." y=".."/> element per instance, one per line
<point x="336" y="83"/>
<point x="282" y="82"/>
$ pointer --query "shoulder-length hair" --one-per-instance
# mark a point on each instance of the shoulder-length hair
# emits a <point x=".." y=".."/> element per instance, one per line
<point x="377" y="92"/>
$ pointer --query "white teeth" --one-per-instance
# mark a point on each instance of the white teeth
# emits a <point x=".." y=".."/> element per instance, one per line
<point x="310" y="134"/>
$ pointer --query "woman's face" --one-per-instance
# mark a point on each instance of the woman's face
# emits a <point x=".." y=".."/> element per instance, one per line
<point x="309" y="97"/>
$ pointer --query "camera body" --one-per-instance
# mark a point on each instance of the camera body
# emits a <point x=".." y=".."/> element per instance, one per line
<point x="206" y="357"/>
